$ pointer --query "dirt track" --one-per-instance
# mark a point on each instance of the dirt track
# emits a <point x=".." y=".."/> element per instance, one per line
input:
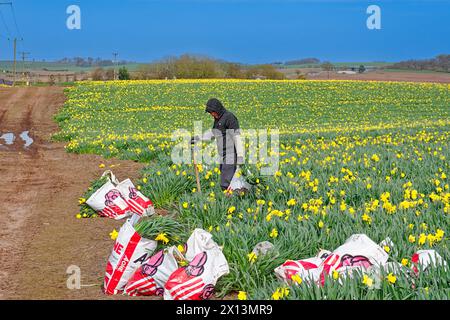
<point x="40" y="236"/>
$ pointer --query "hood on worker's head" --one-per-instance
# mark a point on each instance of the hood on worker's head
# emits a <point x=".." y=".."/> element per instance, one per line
<point x="214" y="105"/>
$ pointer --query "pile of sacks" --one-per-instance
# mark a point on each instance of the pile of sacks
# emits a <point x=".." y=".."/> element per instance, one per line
<point x="135" y="269"/>
<point x="359" y="254"/>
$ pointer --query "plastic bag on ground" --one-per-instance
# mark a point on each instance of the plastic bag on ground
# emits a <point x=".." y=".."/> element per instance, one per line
<point x="150" y="278"/>
<point x="206" y="265"/>
<point x="238" y="183"/>
<point x="129" y="252"/>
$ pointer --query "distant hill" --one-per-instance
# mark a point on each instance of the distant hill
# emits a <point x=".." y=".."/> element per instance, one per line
<point x="91" y="62"/>
<point x="302" y="61"/>
<point x="341" y="65"/>
<point x="440" y="63"/>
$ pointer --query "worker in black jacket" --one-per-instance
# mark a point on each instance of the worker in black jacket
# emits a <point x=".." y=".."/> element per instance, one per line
<point x="226" y="132"/>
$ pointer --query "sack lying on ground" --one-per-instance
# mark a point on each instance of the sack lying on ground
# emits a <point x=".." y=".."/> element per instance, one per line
<point x="358" y="253"/>
<point x="307" y="269"/>
<point x="129" y="252"/>
<point x="118" y="200"/>
<point x="206" y="265"/>
<point x="150" y="278"/>
<point x="424" y="259"/>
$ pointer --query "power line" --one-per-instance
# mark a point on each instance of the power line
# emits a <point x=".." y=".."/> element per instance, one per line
<point x="15" y="21"/>
<point x="4" y="22"/>
<point x="9" y="33"/>
<point x="10" y="4"/>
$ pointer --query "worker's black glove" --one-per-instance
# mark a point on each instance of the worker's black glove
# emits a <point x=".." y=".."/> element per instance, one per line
<point x="240" y="160"/>
<point x="195" y="139"/>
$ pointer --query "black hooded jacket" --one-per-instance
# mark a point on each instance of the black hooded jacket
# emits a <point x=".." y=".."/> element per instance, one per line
<point x="226" y="121"/>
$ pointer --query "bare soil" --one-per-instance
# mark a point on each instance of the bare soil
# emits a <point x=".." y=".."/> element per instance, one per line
<point x="391" y="76"/>
<point x="378" y="75"/>
<point x="40" y="186"/>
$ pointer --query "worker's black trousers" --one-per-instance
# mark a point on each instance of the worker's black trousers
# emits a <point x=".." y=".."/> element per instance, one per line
<point x="226" y="174"/>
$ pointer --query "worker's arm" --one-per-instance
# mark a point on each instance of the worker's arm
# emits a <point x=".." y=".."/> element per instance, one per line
<point x="207" y="136"/>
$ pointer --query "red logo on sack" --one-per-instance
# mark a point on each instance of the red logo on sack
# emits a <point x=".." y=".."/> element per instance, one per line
<point x="123" y="264"/>
<point x="112" y="210"/>
<point x="186" y="283"/>
<point x="294" y="267"/>
<point x="142" y="282"/>
<point x="136" y="202"/>
<point x="354" y="261"/>
<point x="118" y="248"/>
<point x="207" y="292"/>
<point x="151" y="267"/>
<point x="196" y="268"/>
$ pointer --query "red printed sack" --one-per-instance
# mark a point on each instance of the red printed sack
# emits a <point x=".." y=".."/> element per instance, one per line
<point x="129" y="253"/>
<point x="118" y="200"/>
<point x="150" y="278"/>
<point x="197" y="280"/>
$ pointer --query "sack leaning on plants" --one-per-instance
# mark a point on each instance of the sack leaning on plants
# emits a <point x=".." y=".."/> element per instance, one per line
<point x="117" y="200"/>
<point x="129" y="252"/>
<point x="207" y="264"/>
<point x="134" y="270"/>
<point x="135" y="244"/>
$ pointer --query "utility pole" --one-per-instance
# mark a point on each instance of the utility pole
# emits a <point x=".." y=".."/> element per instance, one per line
<point x="115" y="54"/>
<point x="15" y="59"/>
<point x="23" y="54"/>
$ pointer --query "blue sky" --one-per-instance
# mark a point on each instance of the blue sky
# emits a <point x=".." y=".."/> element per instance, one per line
<point x="249" y="31"/>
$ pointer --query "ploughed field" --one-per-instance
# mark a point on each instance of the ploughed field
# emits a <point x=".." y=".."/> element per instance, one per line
<point x="354" y="157"/>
